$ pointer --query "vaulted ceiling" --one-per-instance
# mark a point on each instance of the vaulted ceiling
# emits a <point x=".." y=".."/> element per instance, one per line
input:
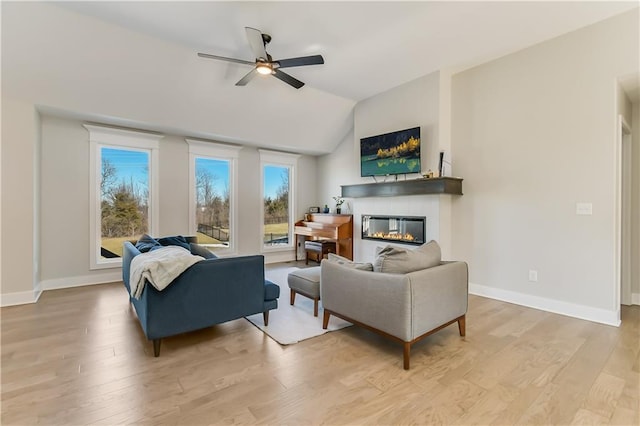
<point x="368" y="47"/>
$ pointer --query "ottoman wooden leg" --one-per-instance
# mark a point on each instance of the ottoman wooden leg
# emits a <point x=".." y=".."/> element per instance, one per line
<point x="292" y="297"/>
<point x="315" y="307"/>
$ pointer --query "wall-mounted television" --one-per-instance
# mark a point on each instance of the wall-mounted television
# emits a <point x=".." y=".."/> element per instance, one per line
<point x="393" y="153"/>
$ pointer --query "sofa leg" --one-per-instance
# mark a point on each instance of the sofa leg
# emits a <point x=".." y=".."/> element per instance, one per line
<point x="325" y="320"/>
<point x="462" y="325"/>
<point x="292" y="297"/>
<point x="156" y="347"/>
<point x="315" y="307"/>
<point x="265" y="317"/>
<point x="406" y="354"/>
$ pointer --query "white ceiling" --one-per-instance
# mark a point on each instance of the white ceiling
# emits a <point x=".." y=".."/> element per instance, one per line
<point x="368" y="47"/>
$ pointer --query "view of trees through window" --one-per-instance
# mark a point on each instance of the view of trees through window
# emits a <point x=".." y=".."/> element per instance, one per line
<point x="124" y="198"/>
<point x="212" y="202"/>
<point x="276" y="205"/>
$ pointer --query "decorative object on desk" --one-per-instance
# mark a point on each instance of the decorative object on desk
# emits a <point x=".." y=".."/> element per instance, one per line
<point x="441" y="164"/>
<point x="314" y="209"/>
<point x="326" y="209"/>
<point x="339" y="201"/>
<point x="428" y="175"/>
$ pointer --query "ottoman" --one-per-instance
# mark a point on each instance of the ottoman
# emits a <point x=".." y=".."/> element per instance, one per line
<point x="307" y="283"/>
<point x="319" y="249"/>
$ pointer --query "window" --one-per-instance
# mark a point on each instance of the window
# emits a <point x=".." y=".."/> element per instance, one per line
<point x="212" y="194"/>
<point x="278" y="176"/>
<point x="123" y="191"/>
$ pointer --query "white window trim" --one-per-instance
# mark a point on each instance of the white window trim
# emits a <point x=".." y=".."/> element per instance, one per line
<point x="99" y="137"/>
<point x="231" y="153"/>
<point x="276" y="158"/>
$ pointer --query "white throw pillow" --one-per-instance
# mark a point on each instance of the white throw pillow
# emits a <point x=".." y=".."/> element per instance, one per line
<point x="331" y="257"/>
<point x="397" y="260"/>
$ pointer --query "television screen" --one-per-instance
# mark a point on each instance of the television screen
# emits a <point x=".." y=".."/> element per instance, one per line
<point x="391" y="154"/>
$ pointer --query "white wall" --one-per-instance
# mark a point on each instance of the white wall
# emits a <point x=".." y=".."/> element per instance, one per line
<point x="416" y="103"/>
<point x="20" y="133"/>
<point x="635" y="204"/>
<point x="533" y="133"/>
<point x="64" y="236"/>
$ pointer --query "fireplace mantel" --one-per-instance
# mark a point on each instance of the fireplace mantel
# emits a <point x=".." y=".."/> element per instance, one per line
<point x="441" y="185"/>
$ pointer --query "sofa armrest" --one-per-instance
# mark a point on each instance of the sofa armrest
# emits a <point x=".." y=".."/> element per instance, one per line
<point x="439" y="295"/>
<point x="377" y="299"/>
<point x="129" y="251"/>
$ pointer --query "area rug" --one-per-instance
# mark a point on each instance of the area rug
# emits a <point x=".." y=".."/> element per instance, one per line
<point x="292" y="324"/>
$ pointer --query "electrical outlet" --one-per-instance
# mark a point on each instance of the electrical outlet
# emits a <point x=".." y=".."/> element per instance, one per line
<point x="533" y="275"/>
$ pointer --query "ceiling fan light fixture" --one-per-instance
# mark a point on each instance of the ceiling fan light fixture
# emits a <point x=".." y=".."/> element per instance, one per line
<point x="264" y="68"/>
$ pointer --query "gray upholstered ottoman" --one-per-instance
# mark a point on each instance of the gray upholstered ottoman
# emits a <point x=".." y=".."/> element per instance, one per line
<point x="307" y="283"/>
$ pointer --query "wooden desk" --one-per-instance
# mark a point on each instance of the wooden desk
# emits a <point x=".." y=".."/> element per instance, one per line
<point x="334" y="227"/>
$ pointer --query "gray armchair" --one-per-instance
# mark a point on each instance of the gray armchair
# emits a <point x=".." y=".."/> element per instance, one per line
<point x="402" y="307"/>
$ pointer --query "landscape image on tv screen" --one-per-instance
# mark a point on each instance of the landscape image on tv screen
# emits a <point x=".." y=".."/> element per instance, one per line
<point x="391" y="154"/>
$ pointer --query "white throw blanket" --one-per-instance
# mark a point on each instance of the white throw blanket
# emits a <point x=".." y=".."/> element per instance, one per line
<point x="159" y="267"/>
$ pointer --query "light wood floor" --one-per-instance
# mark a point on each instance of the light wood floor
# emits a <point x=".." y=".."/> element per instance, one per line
<point x="78" y="356"/>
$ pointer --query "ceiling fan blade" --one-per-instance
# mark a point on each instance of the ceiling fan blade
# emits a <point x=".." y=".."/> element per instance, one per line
<point x="298" y="62"/>
<point x="222" y="58"/>
<point x="247" y="78"/>
<point x="287" y="78"/>
<point x="257" y="43"/>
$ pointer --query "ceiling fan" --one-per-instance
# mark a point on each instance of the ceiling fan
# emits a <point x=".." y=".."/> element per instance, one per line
<point x="264" y="64"/>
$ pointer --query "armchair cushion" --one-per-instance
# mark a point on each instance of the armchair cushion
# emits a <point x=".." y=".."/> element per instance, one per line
<point x="396" y="260"/>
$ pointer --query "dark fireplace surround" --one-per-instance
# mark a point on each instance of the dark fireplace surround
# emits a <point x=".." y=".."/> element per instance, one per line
<point x="395" y="229"/>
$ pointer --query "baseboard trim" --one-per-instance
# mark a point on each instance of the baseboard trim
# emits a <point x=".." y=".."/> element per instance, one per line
<point x="588" y="313"/>
<point x="20" y="298"/>
<point x="278" y="256"/>
<point x="635" y="298"/>
<point x="102" y="278"/>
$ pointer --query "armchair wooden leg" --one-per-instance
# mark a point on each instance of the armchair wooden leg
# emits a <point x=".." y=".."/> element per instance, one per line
<point x="462" y="325"/>
<point x="265" y="317"/>
<point x="325" y="320"/>
<point x="315" y="307"/>
<point x="292" y="297"/>
<point x="406" y="354"/>
<point x="156" y="347"/>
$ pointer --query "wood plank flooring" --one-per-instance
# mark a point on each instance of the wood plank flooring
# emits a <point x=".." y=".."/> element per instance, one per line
<point x="78" y="356"/>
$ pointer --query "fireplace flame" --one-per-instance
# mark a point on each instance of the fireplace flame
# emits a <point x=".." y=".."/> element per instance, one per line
<point x="395" y="236"/>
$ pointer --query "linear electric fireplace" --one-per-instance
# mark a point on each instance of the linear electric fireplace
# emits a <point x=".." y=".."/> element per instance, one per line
<point x="397" y="229"/>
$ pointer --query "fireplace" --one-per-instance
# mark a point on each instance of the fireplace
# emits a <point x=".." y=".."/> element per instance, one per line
<point x="397" y="229"/>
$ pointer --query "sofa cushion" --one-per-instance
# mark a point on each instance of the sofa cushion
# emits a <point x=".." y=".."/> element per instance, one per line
<point x="146" y="243"/>
<point x="396" y="260"/>
<point x="177" y="240"/>
<point x="271" y="290"/>
<point x="349" y="263"/>
<point x="198" y="250"/>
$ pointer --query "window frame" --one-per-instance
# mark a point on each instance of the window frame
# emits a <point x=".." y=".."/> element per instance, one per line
<point x="215" y="151"/>
<point x="279" y="159"/>
<point x="109" y="137"/>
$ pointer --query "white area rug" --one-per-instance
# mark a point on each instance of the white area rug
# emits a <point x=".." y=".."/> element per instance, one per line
<point x="292" y="324"/>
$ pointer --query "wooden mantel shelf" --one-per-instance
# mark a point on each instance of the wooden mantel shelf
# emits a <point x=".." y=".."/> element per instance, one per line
<point x="441" y="185"/>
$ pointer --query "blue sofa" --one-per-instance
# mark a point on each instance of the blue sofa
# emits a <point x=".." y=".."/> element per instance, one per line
<point x="210" y="292"/>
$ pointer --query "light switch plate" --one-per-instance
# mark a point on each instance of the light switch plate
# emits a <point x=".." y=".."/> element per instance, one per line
<point x="584" y="209"/>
